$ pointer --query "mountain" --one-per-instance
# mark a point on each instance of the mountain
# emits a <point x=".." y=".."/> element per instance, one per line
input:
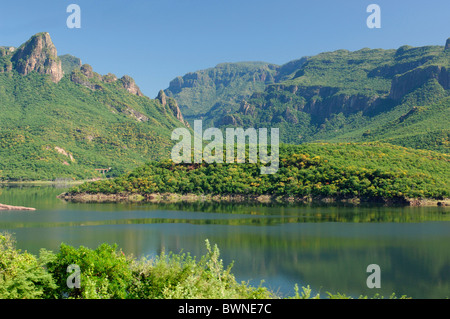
<point x="397" y="96"/>
<point x="200" y="94"/>
<point x="61" y="119"/>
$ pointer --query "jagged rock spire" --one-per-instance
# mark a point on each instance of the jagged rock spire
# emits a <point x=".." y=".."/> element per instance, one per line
<point x="38" y="54"/>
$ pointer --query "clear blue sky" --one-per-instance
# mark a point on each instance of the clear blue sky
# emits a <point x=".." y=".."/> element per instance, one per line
<point x="156" y="40"/>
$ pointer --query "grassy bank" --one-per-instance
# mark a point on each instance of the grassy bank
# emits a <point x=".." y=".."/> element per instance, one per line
<point x="107" y="273"/>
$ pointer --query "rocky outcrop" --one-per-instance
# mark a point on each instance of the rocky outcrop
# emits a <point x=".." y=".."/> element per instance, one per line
<point x="246" y="108"/>
<point x="230" y="119"/>
<point x="62" y="151"/>
<point x="87" y="71"/>
<point x="4" y="51"/>
<point x="131" y="86"/>
<point x="340" y="103"/>
<point x="162" y="97"/>
<point x="172" y="104"/>
<point x="38" y="54"/>
<point x="109" y="78"/>
<point x="447" y="45"/>
<point x="84" y="75"/>
<point x="409" y="81"/>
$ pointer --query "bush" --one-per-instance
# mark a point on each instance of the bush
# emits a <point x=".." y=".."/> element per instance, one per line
<point x="22" y="275"/>
<point x="105" y="272"/>
<point x="172" y="276"/>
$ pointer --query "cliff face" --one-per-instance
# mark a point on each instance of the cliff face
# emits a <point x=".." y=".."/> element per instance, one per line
<point x="407" y="82"/>
<point x="38" y="54"/>
<point x="331" y="95"/>
<point x="172" y="104"/>
<point x="198" y="92"/>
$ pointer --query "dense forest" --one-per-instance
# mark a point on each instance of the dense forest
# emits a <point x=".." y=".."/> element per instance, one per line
<point x="368" y="171"/>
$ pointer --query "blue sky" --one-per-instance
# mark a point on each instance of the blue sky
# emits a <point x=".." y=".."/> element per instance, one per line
<point x="156" y="40"/>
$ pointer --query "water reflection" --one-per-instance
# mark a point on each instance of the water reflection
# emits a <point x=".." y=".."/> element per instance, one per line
<point x="327" y="247"/>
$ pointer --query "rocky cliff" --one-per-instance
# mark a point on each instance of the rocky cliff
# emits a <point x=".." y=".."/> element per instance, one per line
<point x="172" y="104"/>
<point x="328" y="95"/>
<point x="411" y="80"/>
<point x="38" y="54"/>
<point x="130" y="85"/>
<point x="199" y="92"/>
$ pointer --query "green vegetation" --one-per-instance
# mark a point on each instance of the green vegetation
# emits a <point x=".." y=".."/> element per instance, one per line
<point x="396" y="96"/>
<point x="213" y="92"/>
<point x="67" y="130"/>
<point x="106" y="273"/>
<point x="69" y="63"/>
<point x="65" y="125"/>
<point x="368" y="171"/>
<point x="22" y="275"/>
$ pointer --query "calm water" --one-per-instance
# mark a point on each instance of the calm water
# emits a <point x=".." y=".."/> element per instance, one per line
<point x="327" y="248"/>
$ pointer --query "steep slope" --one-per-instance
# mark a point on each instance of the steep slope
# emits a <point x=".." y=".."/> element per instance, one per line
<point x="56" y="125"/>
<point x="354" y="96"/>
<point x="365" y="95"/>
<point x="200" y="94"/>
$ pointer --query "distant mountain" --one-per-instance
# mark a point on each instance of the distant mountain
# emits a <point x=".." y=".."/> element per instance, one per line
<point x="397" y="96"/>
<point x="60" y="119"/>
<point x="200" y="94"/>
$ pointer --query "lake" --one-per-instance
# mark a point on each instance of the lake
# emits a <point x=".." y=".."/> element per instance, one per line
<point x="326" y="247"/>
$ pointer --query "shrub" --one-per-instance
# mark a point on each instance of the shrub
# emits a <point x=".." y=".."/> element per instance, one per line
<point x="105" y="272"/>
<point x="179" y="276"/>
<point x="22" y="275"/>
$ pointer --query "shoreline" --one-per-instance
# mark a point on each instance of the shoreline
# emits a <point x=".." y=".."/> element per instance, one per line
<point x="38" y="183"/>
<point x="165" y="198"/>
<point x="10" y="207"/>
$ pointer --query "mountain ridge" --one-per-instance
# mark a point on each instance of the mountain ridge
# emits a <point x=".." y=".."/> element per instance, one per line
<point x="58" y="125"/>
<point x="317" y="98"/>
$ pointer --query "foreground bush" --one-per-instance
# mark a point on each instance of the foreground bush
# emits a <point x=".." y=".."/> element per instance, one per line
<point x="180" y="276"/>
<point x="106" y="273"/>
<point x="22" y="275"/>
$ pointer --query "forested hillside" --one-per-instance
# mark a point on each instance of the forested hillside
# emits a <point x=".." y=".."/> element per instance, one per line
<point x="397" y="96"/>
<point x="67" y="125"/>
<point x="366" y="171"/>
